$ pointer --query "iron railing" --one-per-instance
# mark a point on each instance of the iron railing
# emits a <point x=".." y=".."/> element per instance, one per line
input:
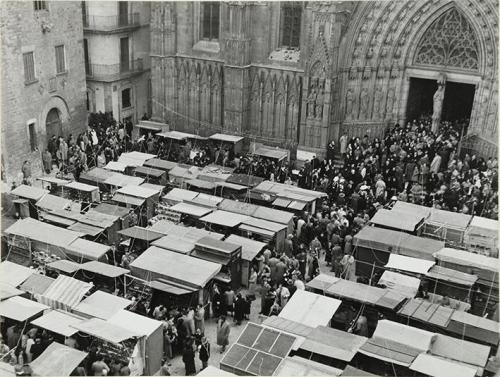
<point x="109" y="23"/>
<point x="114" y="71"/>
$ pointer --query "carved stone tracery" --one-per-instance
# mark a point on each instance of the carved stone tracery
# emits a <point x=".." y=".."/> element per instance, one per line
<point x="450" y="41"/>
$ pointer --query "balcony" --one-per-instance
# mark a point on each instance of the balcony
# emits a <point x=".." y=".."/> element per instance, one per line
<point x="113" y="72"/>
<point x="110" y="24"/>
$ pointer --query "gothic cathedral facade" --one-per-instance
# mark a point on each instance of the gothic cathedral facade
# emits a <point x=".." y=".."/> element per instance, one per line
<point x="299" y="74"/>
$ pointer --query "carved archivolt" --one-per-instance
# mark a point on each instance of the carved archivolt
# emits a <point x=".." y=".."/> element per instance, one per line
<point x="450" y="41"/>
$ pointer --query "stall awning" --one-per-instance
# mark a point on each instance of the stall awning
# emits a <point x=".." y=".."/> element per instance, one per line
<point x="206" y="200"/>
<point x="121" y="180"/>
<point x="87" y="229"/>
<point x="402" y="284"/>
<point x="310" y="308"/>
<point x="463" y="351"/>
<point x="7" y="370"/>
<point x="170" y="288"/>
<point x="157" y="263"/>
<point x="20" y="308"/>
<point x="160" y="164"/>
<point x="226" y="138"/>
<point x="97" y="175"/>
<point x="211" y="371"/>
<point x="104" y="269"/>
<point x="468" y="259"/>
<point x="356" y="291"/>
<point x="29" y="192"/>
<point x="264" y="224"/>
<point x="299" y="366"/>
<point x="214" y="258"/>
<point x="397" y="343"/>
<point x="137" y="191"/>
<point x="284" y="190"/>
<point x="448" y="219"/>
<point x="350" y="371"/>
<point x="224" y="218"/>
<point x="475" y="327"/>
<point x="231" y="186"/>
<point x="82" y="248"/>
<point x="452" y="276"/>
<point x="63" y="265"/>
<point x="167" y="227"/>
<point x="254" y="229"/>
<point x="179" y="195"/>
<point x="176" y="135"/>
<point x="81" y="186"/>
<point x="409" y="264"/>
<point x="157" y="188"/>
<point x="101" y="305"/>
<point x="56" y="203"/>
<point x="135" y="158"/>
<point x="224" y="247"/>
<point x="116" y="166"/>
<point x="244" y="180"/>
<point x="435" y="366"/>
<point x="195" y="234"/>
<point x="112" y="210"/>
<point x="421" y="211"/>
<point x="322" y="282"/>
<point x="198" y="183"/>
<point x="274" y="215"/>
<point x="58" y="220"/>
<point x="126" y="199"/>
<point x="37" y="284"/>
<point x="150" y="126"/>
<point x="106" y="331"/>
<point x="190" y="209"/>
<point x="65" y="293"/>
<point x="142" y="325"/>
<point x="149" y="172"/>
<point x="249" y="248"/>
<point x="174" y="243"/>
<point x="483" y="226"/>
<point x="397" y="220"/>
<point x="425" y="311"/>
<point x="137" y="232"/>
<point x="54" y="180"/>
<point x="59" y="322"/>
<point x="38" y="231"/>
<point x="241" y="208"/>
<point x="13" y="273"/>
<point x="8" y="291"/>
<point x="57" y="360"/>
<point x="273" y="153"/>
<point x="288" y="326"/>
<point x="333" y="343"/>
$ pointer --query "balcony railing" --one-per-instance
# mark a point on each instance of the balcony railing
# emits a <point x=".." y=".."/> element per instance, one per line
<point x="110" y="72"/>
<point x="109" y="23"/>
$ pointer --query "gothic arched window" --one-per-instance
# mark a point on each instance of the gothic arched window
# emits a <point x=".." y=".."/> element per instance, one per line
<point x="291" y="14"/>
<point x="450" y="41"/>
<point x="210" y="19"/>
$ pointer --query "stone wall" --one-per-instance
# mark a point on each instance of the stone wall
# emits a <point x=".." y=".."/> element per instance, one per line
<point x="21" y="29"/>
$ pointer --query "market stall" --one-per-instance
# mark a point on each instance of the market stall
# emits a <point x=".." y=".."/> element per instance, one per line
<point x="409" y="222"/>
<point x="247" y="180"/>
<point x="422" y="313"/>
<point x="82" y="250"/>
<point x="65" y="293"/>
<point x="249" y="251"/>
<point x="54" y="185"/>
<point x="188" y="233"/>
<point x="98" y="226"/>
<point x="8" y="291"/>
<point x="27" y="198"/>
<point x="160" y="164"/>
<point x="210" y="201"/>
<point x="180" y="275"/>
<point x="36" y="284"/>
<point x="474" y="328"/>
<point x="182" y="173"/>
<point x="20" y="309"/>
<point x="118" y="180"/>
<point x="149" y="328"/>
<point x="231" y="191"/>
<point x="453" y="283"/>
<point x="275" y="154"/>
<point x="190" y="213"/>
<point x="373" y="245"/>
<point x="57" y="360"/>
<point x="14" y="274"/>
<point x="140" y="238"/>
<point x="175" y="243"/>
<point x="233" y="142"/>
<point x="481" y="236"/>
<point x="101" y="305"/>
<point x="200" y="185"/>
<point x="82" y="192"/>
<point x="223" y="221"/>
<point x="34" y="240"/>
<point x="405" y="285"/>
<point x="103" y="275"/>
<point x="429" y="365"/>
<point x="151" y="175"/>
<point x="144" y="127"/>
<point x="273" y="234"/>
<point x="446" y="226"/>
<point x="123" y="214"/>
<point x="310" y="309"/>
<point x="227" y="254"/>
<point x="63" y="266"/>
<point x="161" y="189"/>
<point x="140" y="198"/>
<point x="59" y="322"/>
<point x="134" y="159"/>
<point x="97" y="177"/>
<point x="118" y="167"/>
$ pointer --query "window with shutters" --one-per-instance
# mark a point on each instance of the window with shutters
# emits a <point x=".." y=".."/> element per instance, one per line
<point x="60" y="59"/>
<point x="32" y="135"/>
<point x="210" y="18"/>
<point x="29" y="67"/>
<point x="40" y="5"/>
<point x="291" y="14"/>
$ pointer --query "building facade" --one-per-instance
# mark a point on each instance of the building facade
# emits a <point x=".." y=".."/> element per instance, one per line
<point x="43" y="78"/>
<point x="116" y="48"/>
<point x="302" y="74"/>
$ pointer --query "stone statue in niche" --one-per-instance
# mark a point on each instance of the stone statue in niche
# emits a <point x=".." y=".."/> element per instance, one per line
<point x="363" y="102"/>
<point x="311" y="101"/>
<point x="390" y="103"/>
<point x="349" y="104"/>
<point x="377" y="99"/>
<point x="319" y="104"/>
<point x="437" y="107"/>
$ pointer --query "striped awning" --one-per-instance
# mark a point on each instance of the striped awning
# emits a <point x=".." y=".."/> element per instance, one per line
<point x="65" y="293"/>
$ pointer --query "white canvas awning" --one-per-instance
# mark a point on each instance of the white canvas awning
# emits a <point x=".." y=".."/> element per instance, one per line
<point x="20" y="308"/>
<point x="59" y="322"/>
<point x="438" y="367"/>
<point x="403" y="284"/>
<point x="404" y="263"/>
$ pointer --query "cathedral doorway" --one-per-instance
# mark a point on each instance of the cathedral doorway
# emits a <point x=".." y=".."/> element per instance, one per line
<point x="54" y="123"/>
<point x="420" y="98"/>
<point x="458" y="100"/>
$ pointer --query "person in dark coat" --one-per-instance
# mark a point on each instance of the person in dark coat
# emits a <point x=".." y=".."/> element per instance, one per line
<point x="204" y="352"/>
<point x="239" y="309"/>
<point x="188" y="358"/>
<point x="217" y="303"/>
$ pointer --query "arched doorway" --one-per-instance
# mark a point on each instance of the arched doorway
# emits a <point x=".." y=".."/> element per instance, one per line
<point x="53" y="123"/>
